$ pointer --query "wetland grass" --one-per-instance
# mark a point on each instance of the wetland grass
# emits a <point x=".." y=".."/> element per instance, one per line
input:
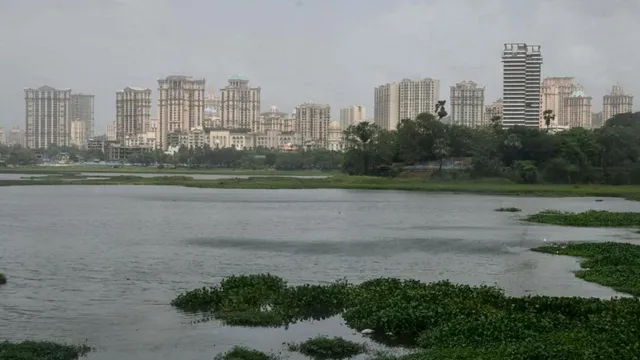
<point x="590" y="218"/>
<point x="326" y="348"/>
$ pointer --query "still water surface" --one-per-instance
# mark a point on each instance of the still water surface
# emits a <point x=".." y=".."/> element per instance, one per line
<point x="15" y="176"/>
<point x="101" y="264"/>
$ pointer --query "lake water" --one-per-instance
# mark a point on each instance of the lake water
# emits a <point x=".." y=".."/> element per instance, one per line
<point x="102" y="263"/>
<point x="14" y="176"/>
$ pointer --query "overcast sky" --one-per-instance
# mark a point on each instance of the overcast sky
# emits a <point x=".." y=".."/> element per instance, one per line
<point x="327" y="51"/>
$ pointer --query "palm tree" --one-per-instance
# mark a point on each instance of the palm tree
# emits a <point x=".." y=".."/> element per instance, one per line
<point x="548" y="117"/>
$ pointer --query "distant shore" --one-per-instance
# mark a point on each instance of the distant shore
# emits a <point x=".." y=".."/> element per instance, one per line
<point x="346" y="182"/>
<point x="155" y="170"/>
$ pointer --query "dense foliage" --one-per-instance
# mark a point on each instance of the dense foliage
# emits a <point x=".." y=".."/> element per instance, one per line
<point x="447" y="321"/>
<point x="608" y="155"/>
<point x="41" y="350"/>
<point x="590" y="218"/>
<point x="616" y="265"/>
<point x="326" y="348"/>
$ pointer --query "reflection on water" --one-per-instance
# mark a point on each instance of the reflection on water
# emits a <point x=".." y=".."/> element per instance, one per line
<point x="102" y="263"/>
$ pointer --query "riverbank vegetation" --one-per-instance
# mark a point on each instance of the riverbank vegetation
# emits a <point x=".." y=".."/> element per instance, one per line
<point x="443" y="320"/>
<point x="591" y="218"/>
<point x="326" y="348"/>
<point x="616" y="265"/>
<point x="244" y="353"/>
<point x="41" y="350"/>
<point x="490" y="187"/>
<point x="508" y="209"/>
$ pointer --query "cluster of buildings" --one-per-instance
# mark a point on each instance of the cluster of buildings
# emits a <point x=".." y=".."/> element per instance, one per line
<point x="189" y="115"/>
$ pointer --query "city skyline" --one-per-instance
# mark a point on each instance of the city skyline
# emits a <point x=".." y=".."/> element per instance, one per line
<point x="341" y="74"/>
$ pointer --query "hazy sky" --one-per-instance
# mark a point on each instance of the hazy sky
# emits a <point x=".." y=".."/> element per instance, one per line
<point x="327" y="51"/>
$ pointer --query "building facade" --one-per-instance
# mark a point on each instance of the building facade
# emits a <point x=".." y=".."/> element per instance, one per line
<point x="494" y="110"/>
<point x="616" y="102"/>
<point x="553" y="91"/>
<point x="15" y="136"/>
<point x="133" y="112"/>
<point x="111" y="131"/>
<point x="276" y="120"/>
<point x="352" y="115"/>
<point x="82" y="108"/>
<point x="385" y="106"/>
<point x="522" y="67"/>
<point x="417" y="96"/>
<point x="78" y="133"/>
<point x="576" y="110"/>
<point x="312" y="124"/>
<point x="47" y="117"/>
<point x="467" y="104"/>
<point x="240" y="105"/>
<point x="180" y="106"/>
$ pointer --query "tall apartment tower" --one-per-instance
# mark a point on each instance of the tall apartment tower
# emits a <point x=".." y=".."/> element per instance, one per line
<point x="82" y="108"/>
<point x="240" y="105"/>
<point x="417" y="97"/>
<point x="576" y="110"/>
<point x="352" y="115"/>
<point x="522" y="67"/>
<point x="495" y="109"/>
<point x="467" y="104"/>
<point x="133" y="111"/>
<point x="47" y="117"/>
<point x="553" y="91"/>
<point x="616" y="102"/>
<point x="180" y="106"/>
<point x="312" y="124"/>
<point x="385" y="106"/>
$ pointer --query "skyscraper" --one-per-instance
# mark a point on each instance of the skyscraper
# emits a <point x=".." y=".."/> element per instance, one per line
<point x="180" y="106"/>
<point x="554" y="90"/>
<point x="616" y="102"/>
<point x="312" y="124"/>
<point x="133" y="111"/>
<point x="576" y="110"/>
<point x="467" y="104"/>
<point x="385" y="106"/>
<point x="47" y="117"/>
<point x="240" y="105"/>
<point x="417" y="96"/>
<point x="522" y="67"/>
<point x="82" y="108"/>
<point x="352" y="115"/>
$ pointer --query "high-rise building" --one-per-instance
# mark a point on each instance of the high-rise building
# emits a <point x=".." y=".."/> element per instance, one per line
<point x="312" y="124"/>
<point x="77" y="137"/>
<point x="82" y="108"/>
<point x="2" y="139"/>
<point x="180" y="106"/>
<point x="15" y="136"/>
<point x="553" y="92"/>
<point x="522" y="67"/>
<point x="352" y="115"/>
<point x="616" y="102"/>
<point x="576" y="110"/>
<point x="467" y="104"/>
<point x="596" y="120"/>
<point x="133" y="112"/>
<point x="47" y="117"/>
<point x="417" y="96"/>
<point x="240" y="105"/>
<point x="111" y="131"/>
<point x="493" y="110"/>
<point x="385" y="106"/>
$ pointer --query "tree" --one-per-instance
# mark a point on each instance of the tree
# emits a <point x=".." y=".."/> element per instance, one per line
<point x="548" y="117"/>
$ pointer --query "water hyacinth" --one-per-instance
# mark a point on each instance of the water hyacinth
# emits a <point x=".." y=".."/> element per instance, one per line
<point x="591" y="218"/>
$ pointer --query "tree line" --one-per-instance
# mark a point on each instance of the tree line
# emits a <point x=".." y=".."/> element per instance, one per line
<point x="607" y="155"/>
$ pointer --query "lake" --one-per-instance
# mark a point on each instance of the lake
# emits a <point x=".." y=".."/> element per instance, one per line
<point x="101" y="263"/>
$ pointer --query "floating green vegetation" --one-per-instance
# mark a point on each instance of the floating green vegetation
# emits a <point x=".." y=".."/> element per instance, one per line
<point x="591" y="218"/>
<point x="243" y="353"/>
<point x="41" y="350"/>
<point x="3" y="279"/>
<point x="326" y="348"/>
<point x="616" y="265"/>
<point x="443" y="320"/>
<point x="508" y="209"/>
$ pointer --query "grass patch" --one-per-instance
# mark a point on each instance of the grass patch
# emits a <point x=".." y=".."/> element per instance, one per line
<point x="3" y="279"/>
<point x="243" y="353"/>
<point x="326" y="348"/>
<point x="443" y="320"/>
<point x="41" y="350"/>
<point x="508" y="209"/>
<point x="616" y="265"/>
<point x="591" y="218"/>
<point x="355" y="183"/>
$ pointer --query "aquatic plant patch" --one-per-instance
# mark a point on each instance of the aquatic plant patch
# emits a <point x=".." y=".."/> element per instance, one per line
<point x="591" y="218"/>
<point x="508" y="209"/>
<point x="443" y="320"/>
<point x="41" y="350"/>
<point x="616" y="265"/>
<point x="326" y="348"/>
<point x="3" y="279"/>
<point x="244" y="353"/>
